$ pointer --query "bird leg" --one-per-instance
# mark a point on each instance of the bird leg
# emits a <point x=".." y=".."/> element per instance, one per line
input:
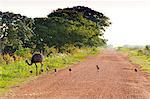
<point x="42" y="67"/>
<point x="47" y="68"/>
<point x="36" y="69"/>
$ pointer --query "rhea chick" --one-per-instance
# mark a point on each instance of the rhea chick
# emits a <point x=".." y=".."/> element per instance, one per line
<point x="31" y="71"/>
<point x="97" y="67"/>
<point x="55" y="70"/>
<point x="135" y="70"/>
<point x="70" y="69"/>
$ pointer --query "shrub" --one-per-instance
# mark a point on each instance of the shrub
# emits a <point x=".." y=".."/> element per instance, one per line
<point x="8" y="59"/>
<point x="147" y="47"/>
<point x="48" y="51"/>
<point x="68" y="48"/>
<point x="24" y="52"/>
<point x="17" y="58"/>
<point x="2" y="61"/>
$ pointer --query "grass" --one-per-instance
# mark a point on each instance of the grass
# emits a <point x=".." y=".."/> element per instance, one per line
<point x="18" y="72"/>
<point x="140" y="59"/>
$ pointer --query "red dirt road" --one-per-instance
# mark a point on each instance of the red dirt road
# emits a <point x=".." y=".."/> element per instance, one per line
<point x="116" y="79"/>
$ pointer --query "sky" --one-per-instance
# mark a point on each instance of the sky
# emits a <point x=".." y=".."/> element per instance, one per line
<point x="130" y="18"/>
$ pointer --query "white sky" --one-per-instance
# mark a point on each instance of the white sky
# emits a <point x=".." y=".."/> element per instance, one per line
<point x="130" y="18"/>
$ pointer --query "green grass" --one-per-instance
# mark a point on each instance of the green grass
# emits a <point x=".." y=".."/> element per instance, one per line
<point x="18" y="72"/>
<point x="13" y="74"/>
<point x="140" y="59"/>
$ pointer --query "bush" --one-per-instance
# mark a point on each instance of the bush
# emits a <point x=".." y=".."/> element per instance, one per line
<point x="48" y="51"/>
<point x="94" y="50"/>
<point x="17" y="58"/>
<point x="68" y="48"/>
<point x="24" y="52"/>
<point x="147" y="47"/>
<point x="8" y="59"/>
<point x="2" y="61"/>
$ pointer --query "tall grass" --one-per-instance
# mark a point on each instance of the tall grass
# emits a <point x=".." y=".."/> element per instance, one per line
<point x="141" y="58"/>
<point x="18" y="71"/>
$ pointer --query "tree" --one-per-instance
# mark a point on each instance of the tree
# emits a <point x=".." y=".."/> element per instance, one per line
<point x="15" y="30"/>
<point x="147" y="47"/>
<point x="71" y="14"/>
<point x="79" y="25"/>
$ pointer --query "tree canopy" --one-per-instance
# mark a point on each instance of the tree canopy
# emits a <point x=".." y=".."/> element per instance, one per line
<point x="79" y="26"/>
<point x="72" y="14"/>
<point x="15" y="30"/>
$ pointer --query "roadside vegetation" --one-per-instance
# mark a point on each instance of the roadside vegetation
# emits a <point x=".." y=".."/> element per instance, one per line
<point x="64" y="36"/>
<point x="18" y="71"/>
<point x="138" y="55"/>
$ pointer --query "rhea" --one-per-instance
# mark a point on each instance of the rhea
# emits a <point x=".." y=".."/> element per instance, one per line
<point x="36" y="58"/>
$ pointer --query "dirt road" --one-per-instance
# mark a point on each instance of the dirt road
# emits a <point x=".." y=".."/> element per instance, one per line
<point x="116" y="79"/>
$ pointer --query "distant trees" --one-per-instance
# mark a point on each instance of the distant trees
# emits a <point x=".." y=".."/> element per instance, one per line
<point x="147" y="47"/>
<point x="77" y="26"/>
<point x="146" y="50"/>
